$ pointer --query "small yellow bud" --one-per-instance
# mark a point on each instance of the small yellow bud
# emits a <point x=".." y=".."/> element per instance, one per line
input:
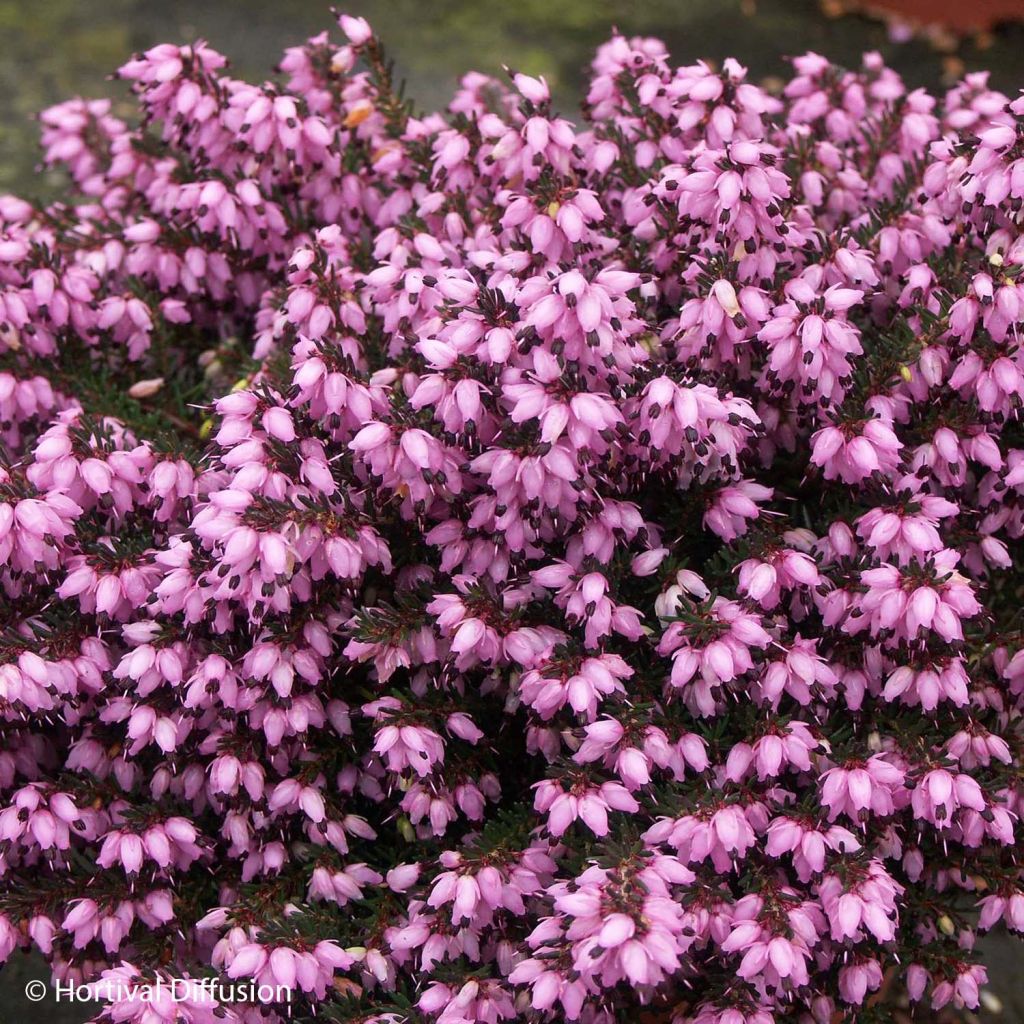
<point x="946" y="925"/>
<point x="553" y="209"/>
<point x="358" y="114"/>
<point x="405" y="829"/>
<point x="146" y="388"/>
<point x="991" y="1001"/>
<point x="240" y="385"/>
<point x="206" y="428"/>
<point x="996" y="259"/>
<point x="382" y="152"/>
<point x="724" y="292"/>
<point x="906" y="373"/>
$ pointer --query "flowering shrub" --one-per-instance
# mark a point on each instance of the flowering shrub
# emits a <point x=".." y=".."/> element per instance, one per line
<point x="471" y="567"/>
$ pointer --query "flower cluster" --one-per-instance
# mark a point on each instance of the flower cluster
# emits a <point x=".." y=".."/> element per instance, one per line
<point x="477" y="566"/>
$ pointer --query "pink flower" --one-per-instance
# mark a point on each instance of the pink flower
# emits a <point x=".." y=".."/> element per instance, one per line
<point x="365" y="470"/>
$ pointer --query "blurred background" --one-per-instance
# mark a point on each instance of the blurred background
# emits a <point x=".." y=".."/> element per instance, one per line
<point x="53" y="49"/>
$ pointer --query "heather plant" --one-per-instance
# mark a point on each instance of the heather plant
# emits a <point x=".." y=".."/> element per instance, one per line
<point x="474" y="566"/>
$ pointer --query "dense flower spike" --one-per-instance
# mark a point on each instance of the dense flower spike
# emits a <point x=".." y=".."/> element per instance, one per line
<point x="474" y="566"/>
